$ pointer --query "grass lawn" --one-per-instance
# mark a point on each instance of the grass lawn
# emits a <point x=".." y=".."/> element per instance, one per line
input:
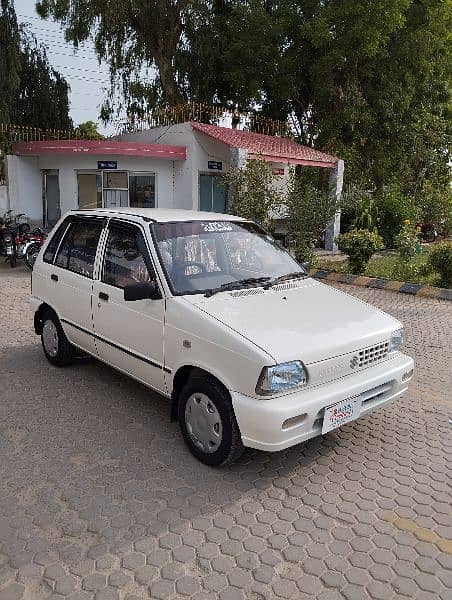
<point x="386" y="266"/>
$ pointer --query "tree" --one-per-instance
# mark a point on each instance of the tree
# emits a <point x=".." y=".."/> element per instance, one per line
<point x="253" y="193"/>
<point x="88" y="131"/>
<point x="131" y="35"/>
<point x="41" y="99"/>
<point x="9" y="58"/>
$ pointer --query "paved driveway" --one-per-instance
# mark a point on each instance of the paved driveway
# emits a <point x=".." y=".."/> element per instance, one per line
<point x="100" y="499"/>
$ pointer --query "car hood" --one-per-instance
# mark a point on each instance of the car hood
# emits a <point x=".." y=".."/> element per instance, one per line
<point x="302" y="319"/>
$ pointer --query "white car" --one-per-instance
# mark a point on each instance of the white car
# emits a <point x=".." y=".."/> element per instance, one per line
<point x="211" y="312"/>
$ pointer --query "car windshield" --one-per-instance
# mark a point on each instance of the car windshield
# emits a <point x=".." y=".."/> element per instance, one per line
<point x="211" y="256"/>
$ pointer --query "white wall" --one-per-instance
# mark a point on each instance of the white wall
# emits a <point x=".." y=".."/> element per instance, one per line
<point x="25" y="186"/>
<point x="4" y="204"/>
<point x="200" y="149"/>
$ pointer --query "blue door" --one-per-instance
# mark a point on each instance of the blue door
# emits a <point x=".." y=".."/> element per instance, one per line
<point x="212" y="193"/>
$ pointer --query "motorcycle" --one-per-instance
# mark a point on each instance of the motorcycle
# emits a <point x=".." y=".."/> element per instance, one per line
<point x="29" y="244"/>
<point x="18" y="241"/>
<point x="7" y="243"/>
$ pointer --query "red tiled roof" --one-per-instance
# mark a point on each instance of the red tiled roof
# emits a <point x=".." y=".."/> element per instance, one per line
<point x="269" y="147"/>
<point x="99" y="147"/>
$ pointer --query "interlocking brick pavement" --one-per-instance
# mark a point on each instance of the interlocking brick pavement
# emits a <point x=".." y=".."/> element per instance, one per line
<point x="100" y="500"/>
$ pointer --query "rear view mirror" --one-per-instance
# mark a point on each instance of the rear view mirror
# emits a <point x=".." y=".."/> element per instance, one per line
<point x="142" y="291"/>
<point x="306" y="266"/>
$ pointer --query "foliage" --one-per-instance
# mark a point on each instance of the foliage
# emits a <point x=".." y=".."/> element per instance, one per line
<point x="407" y="241"/>
<point x="440" y="260"/>
<point x="9" y="58"/>
<point x="41" y="99"/>
<point x="133" y="38"/>
<point x="435" y="204"/>
<point x="88" y="131"/>
<point x="393" y="208"/>
<point x="252" y="192"/>
<point x="309" y="212"/>
<point x="389" y="267"/>
<point x="359" y="245"/>
<point x="31" y="91"/>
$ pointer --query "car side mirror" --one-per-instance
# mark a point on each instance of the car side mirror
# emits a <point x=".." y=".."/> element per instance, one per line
<point x="142" y="291"/>
<point x="306" y="266"/>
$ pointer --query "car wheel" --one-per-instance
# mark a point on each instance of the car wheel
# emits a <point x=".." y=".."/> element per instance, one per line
<point x="58" y="350"/>
<point x="208" y="423"/>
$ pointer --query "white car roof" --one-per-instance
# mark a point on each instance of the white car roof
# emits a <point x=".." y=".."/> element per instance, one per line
<point x="160" y="215"/>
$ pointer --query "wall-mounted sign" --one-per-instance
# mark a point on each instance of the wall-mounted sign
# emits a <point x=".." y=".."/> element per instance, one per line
<point x="278" y="171"/>
<point x="215" y="164"/>
<point x="107" y="164"/>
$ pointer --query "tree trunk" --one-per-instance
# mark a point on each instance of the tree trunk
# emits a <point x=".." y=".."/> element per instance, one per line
<point x="171" y="91"/>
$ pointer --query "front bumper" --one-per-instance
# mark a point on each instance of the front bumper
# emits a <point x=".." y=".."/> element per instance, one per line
<point x="278" y="423"/>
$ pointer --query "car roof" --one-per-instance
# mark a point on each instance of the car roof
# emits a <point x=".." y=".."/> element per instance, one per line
<point x="160" y="215"/>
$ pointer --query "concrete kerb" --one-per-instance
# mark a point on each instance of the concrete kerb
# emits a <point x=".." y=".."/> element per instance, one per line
<point x="402" y="287"/>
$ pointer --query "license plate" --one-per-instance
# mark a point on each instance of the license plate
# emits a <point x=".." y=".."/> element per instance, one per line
<point x="340" y="413"/>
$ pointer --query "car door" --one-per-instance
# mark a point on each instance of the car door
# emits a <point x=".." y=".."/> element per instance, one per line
<point x="70" y="276"/>
<point x="129" y="334"/>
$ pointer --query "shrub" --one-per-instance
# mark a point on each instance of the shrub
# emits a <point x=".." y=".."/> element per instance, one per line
<point x="309" y="212"/>
<point x="407" y="241"/>
<point x="359" y="245"/>
<point x="253" y="192"/>
<point x="393" y="208"/>
<point x="440" y="260"/>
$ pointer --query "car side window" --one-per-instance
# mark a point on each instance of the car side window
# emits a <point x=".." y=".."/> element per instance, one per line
<point x="77" y="251"/>
<point x="52" y="246"/>
<point x="126" y="258"/>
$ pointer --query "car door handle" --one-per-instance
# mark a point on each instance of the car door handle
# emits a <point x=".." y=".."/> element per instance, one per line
<point x="103" y="296"/>
<point x="54" y="277"/>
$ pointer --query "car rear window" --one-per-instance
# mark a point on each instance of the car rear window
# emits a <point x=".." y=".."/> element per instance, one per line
<point x="52" y="246"/>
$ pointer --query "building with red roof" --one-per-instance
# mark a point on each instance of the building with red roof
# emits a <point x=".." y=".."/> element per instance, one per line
<point x="175" y="166"/>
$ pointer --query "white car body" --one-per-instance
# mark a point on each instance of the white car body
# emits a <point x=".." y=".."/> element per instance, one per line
<point x="343" y="343"/>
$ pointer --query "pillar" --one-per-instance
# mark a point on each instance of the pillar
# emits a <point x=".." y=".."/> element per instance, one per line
<point x="336" y="182"/>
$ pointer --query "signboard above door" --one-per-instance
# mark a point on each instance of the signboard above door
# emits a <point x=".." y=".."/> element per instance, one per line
<point x="215" y="164"/>
<point x="107" y="164"/>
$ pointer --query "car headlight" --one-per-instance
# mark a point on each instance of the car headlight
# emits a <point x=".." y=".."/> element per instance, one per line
<point x="397" y="339"/>
<point x="280" y="378"/>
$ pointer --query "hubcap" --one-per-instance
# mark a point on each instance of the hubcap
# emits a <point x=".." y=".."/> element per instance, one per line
<point x="203" y="423"/>
<point x="50" y="338"/>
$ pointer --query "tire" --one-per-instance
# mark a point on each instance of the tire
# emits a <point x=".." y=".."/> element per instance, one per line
<point x="30" y="256"/>
<point x="12" y="260"/>
<point x="210" y="431"/>
<point x="57" y="348"/>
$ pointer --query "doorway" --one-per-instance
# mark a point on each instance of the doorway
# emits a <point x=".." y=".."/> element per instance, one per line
<point x="212" y="193"/>
<point x="51" y="198"/>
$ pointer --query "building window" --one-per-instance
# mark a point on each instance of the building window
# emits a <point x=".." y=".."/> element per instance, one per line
<point x="89" y="186"/>
<point x="142" y="190"/>
<point x="212" y="193"/>
<point x="116" y="189"/>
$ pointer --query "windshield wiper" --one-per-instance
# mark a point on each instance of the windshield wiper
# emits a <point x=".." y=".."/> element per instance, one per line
<point x="281" y="278"/>
<point x="232" y="285"/>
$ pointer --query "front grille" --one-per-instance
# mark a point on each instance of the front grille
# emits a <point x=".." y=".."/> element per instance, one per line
<point x="370" y="355"/>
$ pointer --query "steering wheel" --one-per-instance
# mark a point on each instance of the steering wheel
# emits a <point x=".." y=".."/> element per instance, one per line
<point x="189" y="263"/>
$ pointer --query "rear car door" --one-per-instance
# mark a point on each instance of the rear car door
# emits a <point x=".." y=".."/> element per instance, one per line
<point x="71" y="280"/>
<point x="129" y="334"/>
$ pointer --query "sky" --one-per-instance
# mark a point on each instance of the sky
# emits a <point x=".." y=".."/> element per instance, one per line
<point x="88" y="80"/>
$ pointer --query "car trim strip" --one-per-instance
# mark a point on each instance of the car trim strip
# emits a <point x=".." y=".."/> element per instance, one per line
<point x="125" y="350"/>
